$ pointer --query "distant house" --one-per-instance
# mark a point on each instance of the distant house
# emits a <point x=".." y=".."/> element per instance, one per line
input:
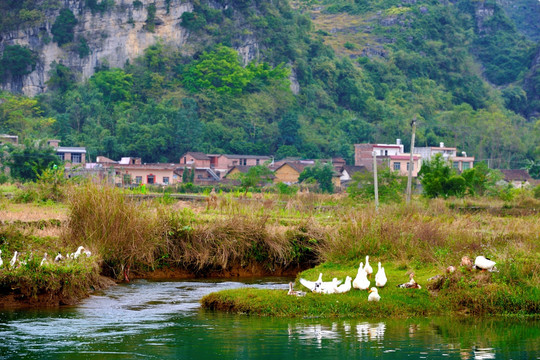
<point x="460" y="163"/>
<point x="9" y="139"/>
<point x="197" y="159"/>
<point x="400" y="164"/>
<point x="347" y="172"/>
<point x="71" y="156"/>
<point x="224" y="162"/>
<point x="240" y="169"/>
<point x="518" y="178"/>
<point x="221" y="163"/>
<point x="289" y="172"/>
<point x="201" y="176"/>
<point x="158" y="173"/>
<point x="363" y="153"/>
<point x="131" y="170"/>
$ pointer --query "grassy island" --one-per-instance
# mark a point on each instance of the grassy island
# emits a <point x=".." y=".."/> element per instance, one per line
<point x="464" y="292"/>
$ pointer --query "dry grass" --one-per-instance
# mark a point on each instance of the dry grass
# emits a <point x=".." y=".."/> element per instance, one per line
<point x="123" y="231"/>
<point x="10" y="212"/>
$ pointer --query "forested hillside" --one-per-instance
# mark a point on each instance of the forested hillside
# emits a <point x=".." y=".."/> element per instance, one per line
<point x="302" y="78"/>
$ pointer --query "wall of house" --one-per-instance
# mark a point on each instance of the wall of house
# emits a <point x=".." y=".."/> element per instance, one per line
<point x="286" y="174"/>
<point x="403" y="166"/>
<point x="363" y="155"/>
<point x="159" y="174"/>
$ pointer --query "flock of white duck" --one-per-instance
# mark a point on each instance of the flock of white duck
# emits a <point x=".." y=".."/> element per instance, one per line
<point x="16" y="261"/>
<point x="362" y="282"/>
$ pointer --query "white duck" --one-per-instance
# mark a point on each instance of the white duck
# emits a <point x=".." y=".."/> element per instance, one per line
<point x="483" y="263"/>
<point x="367" y="268"/>
<point x="341" y="289"/>
<point x="1" y="261"/>
<point x="361" y="281"/>
<point x="44" y="260"/>
<point x="329" y="287"/>
<point x="374" y="295"/>
<point x="312" y="285"/>
<point x="14" y="259"/>
<point x="380" y="278"/>
<point x="59" y="258"/>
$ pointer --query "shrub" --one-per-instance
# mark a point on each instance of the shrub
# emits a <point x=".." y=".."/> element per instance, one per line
<point x="18" y="60"/>
<point x="536" y="192"/>
<point x="63" y="27"/>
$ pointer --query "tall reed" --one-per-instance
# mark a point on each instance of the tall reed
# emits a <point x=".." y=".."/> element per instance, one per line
<point x="122" y="230"/>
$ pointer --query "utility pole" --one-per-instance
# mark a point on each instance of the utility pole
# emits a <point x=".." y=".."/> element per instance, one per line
<point x="375" y="181"/>
<point x="411" y="161"/>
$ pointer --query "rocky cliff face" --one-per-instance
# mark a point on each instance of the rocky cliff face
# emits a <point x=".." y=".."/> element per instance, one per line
<point x="114" y="36"/>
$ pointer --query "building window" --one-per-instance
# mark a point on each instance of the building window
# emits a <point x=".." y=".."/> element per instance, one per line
<point x="385" y="152"/>
<point x="408" y="166"/>
<point x="76" y="158"/>
<point x="455" y="165"/>
<point x="138" y="180"/>
<point x="166" y="180"/>
<point x="466" y="165"/>
<point x="61" y="156"/>
<point x="150" y="179"/>
<point x="127" y="179"/>
<point x="257" y="162"/>
<point x="397" y="166"/>
<point x="185" y="160"/>
<point x="245" y="161"/>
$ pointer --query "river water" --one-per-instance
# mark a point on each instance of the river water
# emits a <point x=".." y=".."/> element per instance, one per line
<point x="163" y="320"/>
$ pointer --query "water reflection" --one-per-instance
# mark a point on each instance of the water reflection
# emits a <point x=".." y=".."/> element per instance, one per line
<point x="162" y="320"/>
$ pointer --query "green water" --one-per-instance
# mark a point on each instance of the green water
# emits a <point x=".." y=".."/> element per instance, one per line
<point x="163" y="320"/>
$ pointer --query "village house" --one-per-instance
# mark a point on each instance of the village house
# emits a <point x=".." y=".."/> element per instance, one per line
<point x="363" y="153"/>
<point x="196" y="159"/>
<point x="460" y="163"/>
<point x="9" y="139"/>
<point x="518" y="178"/>
<point x="148" y="174"/>
<point x="71" y="156"/>
<point x="232" y="175"/>
<point x="201" y="175"/>
<point x="347" y="172"/>
<point x="131" y="170"/>
<point x="400" y="164"/>
<point x="289" y="172"/>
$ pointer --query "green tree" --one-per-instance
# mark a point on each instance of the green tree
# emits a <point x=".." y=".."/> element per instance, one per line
<point x="114" y="84"/>
<point x="254" y="176"/>
<point x="480" y="179"/>
<point x="18" y="60"/>
<point x="28" y="162"/>
<point x="22" y="116"/>
<point x="63" y="27"/>
<point x="61" y="77"/>
<point x="438" y="178"/>
<point x="390" y="185"/>
<point x="322" y="174"/>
